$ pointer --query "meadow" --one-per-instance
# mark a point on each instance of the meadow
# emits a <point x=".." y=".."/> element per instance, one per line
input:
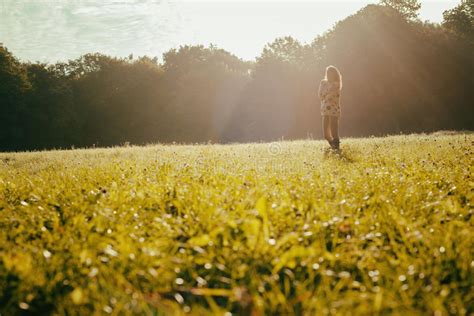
<point x="385" y="227"/>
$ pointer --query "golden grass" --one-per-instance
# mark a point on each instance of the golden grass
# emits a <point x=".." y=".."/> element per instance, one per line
<point x="282" y="228"/>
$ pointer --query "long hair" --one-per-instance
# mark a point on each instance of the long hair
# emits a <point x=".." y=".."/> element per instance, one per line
<point x="333" y="75"/>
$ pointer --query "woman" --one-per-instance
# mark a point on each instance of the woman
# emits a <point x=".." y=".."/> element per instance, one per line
<point x="330" y="94"/>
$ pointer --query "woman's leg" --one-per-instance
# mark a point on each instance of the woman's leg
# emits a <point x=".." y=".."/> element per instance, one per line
<point x="327" y="128"/>
<point x="335" y="131"/>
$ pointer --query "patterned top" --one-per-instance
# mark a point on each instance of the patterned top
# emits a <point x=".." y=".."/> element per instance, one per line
<point x="330" y="95"/>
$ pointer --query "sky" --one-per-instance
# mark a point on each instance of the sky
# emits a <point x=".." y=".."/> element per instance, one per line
<point x="58" y="30"/>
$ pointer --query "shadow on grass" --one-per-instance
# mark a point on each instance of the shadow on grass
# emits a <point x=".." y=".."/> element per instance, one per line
<point x="343" y="154"/>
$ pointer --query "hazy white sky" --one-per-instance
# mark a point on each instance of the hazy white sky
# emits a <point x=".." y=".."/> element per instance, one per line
<point x="52" y="30"/>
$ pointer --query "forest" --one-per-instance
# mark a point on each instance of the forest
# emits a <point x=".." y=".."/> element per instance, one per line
<point x="400" y="75"/>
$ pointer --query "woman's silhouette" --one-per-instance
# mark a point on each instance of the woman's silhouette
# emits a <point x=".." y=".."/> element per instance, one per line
<point x="330" y="94"/>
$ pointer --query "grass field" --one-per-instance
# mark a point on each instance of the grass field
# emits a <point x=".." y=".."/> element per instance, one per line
<point x="282" y="228"/>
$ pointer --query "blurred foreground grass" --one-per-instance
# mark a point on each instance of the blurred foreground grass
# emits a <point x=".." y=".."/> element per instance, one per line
<point x="280" y="228"/>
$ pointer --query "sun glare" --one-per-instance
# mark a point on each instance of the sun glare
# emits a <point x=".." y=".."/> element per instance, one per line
<point x="32" y="29"/>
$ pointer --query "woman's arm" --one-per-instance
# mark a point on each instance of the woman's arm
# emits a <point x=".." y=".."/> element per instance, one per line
<point x="321" y="88"/>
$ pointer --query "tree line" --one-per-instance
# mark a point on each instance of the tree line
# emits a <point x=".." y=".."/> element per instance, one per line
<point x="399" y="75"/>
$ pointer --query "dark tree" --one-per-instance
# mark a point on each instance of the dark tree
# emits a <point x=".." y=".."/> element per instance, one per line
<point x="461" y="19"/>
<point x="51" y="119"/>
<point x="13" y="87"/>
<point x="407" y="8"/>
